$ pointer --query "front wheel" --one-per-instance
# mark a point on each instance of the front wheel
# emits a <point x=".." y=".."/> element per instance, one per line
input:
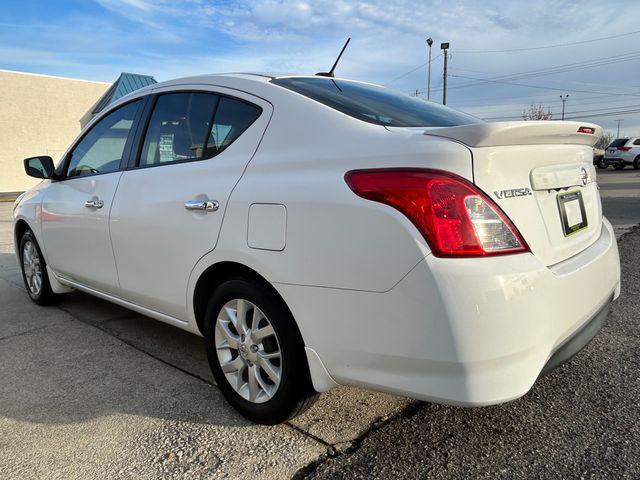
<point x="601" y="164"/>
<point x="636" y="163"/>
<point x="256" y="353"/>
<point x="34" y="271"/>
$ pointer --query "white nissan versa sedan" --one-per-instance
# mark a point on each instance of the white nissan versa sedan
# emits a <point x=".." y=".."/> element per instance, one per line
<point x="320" y="231"/>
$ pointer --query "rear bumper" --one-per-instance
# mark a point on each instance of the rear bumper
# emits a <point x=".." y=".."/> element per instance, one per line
<point x="578" y="340"/>
<point x="616" y="161"/>
<point x="468" y="332"/>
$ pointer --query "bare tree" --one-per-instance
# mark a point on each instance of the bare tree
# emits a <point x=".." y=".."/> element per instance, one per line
<point x="605" y="139"/>
<point x="537" y="112"/>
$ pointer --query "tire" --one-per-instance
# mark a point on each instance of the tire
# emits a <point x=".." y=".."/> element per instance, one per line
<point x="636" y="163"/>
<point x="269" y="402"/>
<point x="619" y="166"/>
<point x="34" y="271"/>
<point x="601" y="165"/>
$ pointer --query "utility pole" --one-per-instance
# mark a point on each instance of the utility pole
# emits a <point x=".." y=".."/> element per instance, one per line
<point x="445" y="47"/>
<point x="429" y="42"/>
<point x="619" y="120"/>
<point x="564" y="99"/>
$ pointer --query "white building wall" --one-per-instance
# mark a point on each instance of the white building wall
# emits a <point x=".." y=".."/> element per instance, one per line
<point x="39" y="115"/>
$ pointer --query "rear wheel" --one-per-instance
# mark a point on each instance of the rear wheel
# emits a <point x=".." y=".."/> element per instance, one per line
<point x="601" y="164"/>
<point x="256" y="353"/>
<point x="636" y="163"/>
<point x="34" y="271"/>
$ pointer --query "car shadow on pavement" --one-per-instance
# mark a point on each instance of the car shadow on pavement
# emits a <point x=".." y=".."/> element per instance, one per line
<point x="87" y="358"/>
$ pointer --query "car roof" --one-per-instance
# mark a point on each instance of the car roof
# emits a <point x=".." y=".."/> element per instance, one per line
<point x="258" y="77"/>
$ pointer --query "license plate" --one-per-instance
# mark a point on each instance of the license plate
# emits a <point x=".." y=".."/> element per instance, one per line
<point x="572" y="212"/>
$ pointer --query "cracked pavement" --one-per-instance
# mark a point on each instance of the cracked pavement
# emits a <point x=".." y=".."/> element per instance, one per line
<point x="92" y="390"/>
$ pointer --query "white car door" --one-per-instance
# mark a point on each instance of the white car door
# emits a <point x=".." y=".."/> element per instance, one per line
<point x="75" y="208"/>
<point x="170" y="204"/>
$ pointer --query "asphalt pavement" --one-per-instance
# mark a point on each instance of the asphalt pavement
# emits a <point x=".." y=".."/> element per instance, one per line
<point x="620" y="192"/>
<point x="92" y="390"/>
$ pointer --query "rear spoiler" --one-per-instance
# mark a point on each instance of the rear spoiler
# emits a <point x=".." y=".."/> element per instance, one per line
<point x="521" y="133"/>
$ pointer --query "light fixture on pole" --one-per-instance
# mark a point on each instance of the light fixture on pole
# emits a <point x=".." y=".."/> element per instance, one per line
<point x="429" y="42"/>
<point x="564" y="99"/>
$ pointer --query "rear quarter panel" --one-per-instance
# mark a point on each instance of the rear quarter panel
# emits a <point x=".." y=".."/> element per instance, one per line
<point x="333" y="237"/>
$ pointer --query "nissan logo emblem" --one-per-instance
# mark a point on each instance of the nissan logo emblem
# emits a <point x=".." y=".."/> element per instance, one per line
<point x="584" y="176"/>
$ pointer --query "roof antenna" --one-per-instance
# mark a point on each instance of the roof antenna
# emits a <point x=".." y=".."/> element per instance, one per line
<point x="330" y="72"/>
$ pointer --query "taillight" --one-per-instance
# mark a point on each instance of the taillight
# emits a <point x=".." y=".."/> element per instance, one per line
<point x="586" y="130"/>
<point x="624" y="149"/>
<point x="453" y="215"/>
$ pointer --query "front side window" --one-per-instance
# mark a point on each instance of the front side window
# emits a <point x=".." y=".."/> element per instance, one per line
<point x="374" y="104"/>
<point x="101" y="150"/>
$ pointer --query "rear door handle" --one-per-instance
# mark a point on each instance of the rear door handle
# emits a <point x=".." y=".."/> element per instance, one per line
<point x="94" y="204"/>
<point x="202" y="205"/>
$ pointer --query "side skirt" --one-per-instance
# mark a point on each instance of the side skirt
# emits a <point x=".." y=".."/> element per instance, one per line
<point x="176" y="322"/>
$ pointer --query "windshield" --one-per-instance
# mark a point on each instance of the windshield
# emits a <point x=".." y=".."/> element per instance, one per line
<point x="375" y="104"/>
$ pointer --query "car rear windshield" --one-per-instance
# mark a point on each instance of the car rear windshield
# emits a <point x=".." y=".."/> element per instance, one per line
<point x="375" y="104"/>
<point x="619" y="142"/>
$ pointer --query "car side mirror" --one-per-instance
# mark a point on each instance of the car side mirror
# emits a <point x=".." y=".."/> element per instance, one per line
<point x="39" y="167"/>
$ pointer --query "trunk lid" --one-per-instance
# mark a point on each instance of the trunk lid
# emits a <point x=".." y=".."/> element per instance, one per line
<point x="541" y="174"/>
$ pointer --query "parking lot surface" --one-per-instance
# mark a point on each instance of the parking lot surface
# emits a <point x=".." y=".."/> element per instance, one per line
<point x="92" y="390"/>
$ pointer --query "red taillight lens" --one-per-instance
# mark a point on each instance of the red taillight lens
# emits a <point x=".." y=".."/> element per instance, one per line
<point x="455" y="217"/>
<point x="586" y="130"/>
<point x="624" y="149"/>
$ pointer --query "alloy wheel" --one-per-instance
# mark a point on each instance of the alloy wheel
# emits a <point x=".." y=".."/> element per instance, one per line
<point x="248" y="350"/>
<point x="32" y="268"/>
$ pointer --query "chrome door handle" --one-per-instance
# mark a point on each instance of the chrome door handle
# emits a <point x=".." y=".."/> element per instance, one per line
<point x="203" y="205"/>
<point x="94" y="204"/>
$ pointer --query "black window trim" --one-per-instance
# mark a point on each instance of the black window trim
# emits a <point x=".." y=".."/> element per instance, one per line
<point x="141" y="133"/>
<point x="61" y="170"/>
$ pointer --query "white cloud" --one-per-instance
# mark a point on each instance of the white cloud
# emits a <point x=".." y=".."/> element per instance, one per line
<point x="170" y="38"/>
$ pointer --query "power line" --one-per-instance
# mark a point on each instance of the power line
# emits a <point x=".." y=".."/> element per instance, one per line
<point x="545" y="88"/>
<point x="530" y="96"/>
<point x="563" y="81"/>
<point x="557" y="45"/>
<point x="591" y="111"/>
<point x="516" y="106"/>
<point x="626" y="112"/>
<point x="574" y="116"/>
<point x="413" y="70"/>
<point x="559" y="68"/>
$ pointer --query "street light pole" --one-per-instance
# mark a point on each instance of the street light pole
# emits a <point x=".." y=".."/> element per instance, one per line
<point x="619" y="120"/>
<point x="564" y="99"/>
<point x="445" y="46"/>
<point x="429" y="42"/>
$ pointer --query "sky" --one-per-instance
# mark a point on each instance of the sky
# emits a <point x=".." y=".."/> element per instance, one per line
<point x="587" y="49"/>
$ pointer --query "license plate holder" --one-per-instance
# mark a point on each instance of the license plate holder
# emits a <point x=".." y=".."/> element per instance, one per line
<point x="572" y="212"/>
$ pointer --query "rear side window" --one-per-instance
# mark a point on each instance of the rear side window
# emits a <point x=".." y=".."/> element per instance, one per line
<point x="178" y="128"/>
<point x="190" y="126"/>
<point x="637" y="142"/>
<point x="619" y="142"/>
<point x="374" y="104"/>
<point x="232" y="118"/>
